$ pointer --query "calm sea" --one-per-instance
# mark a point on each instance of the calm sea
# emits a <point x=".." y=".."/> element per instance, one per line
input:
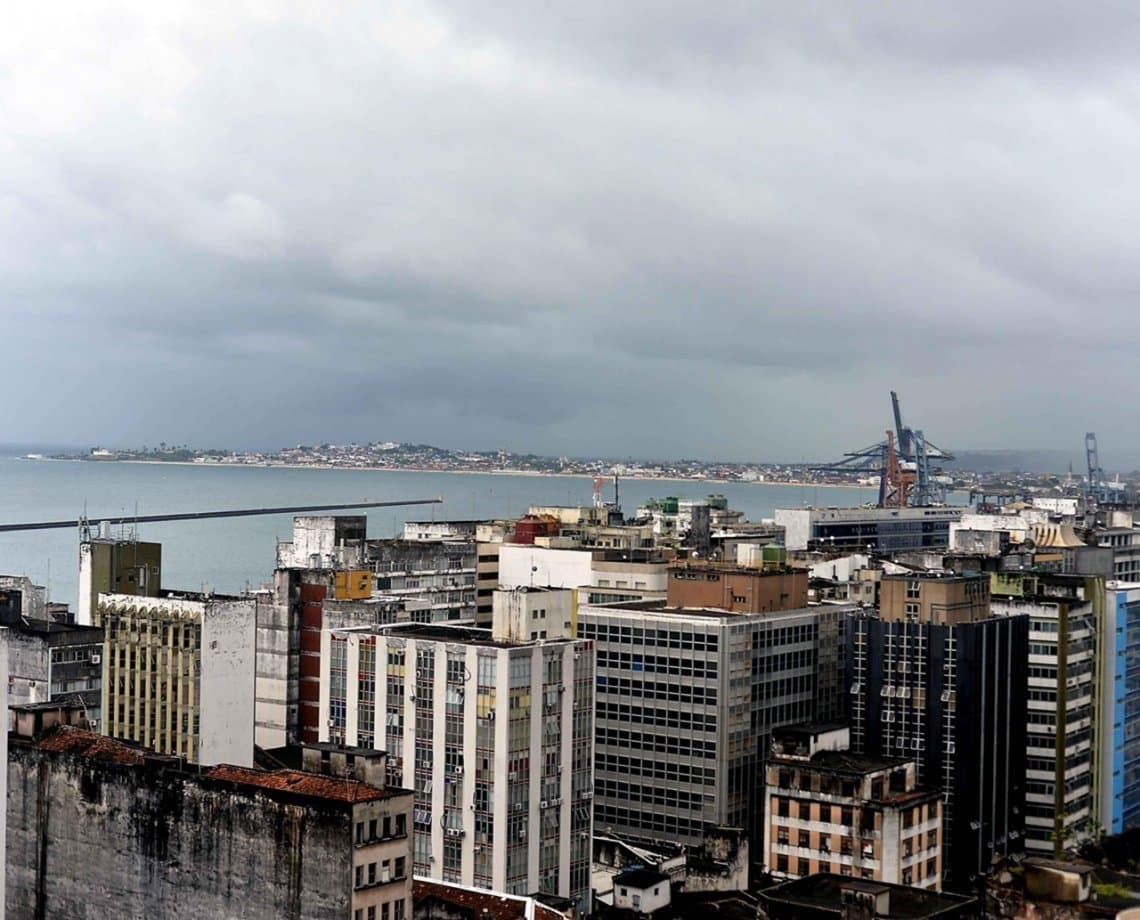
<point x="229" y="554"/>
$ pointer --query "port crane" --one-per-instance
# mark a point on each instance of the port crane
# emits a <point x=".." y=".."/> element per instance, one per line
<point x="906" y="464"/>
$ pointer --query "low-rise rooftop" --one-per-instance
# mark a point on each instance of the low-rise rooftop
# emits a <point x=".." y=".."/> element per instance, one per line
<point x="822" y="894"/>
<point x="483" y="905"/>
<point x="310" y="785"/>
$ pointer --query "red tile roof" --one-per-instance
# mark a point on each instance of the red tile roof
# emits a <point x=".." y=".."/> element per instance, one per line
<point x="70" y="740"/>
<point x="484" y="905"/>
<point x="308" y="784"/>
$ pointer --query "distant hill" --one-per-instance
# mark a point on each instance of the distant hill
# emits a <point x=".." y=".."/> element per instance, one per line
<point x="1025" y="461"/>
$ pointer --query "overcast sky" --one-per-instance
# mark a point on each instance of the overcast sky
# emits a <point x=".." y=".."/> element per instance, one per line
<point x="643" y="228"/>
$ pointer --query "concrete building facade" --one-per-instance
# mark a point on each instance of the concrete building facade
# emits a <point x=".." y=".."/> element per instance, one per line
<point x="951" y="695"/>
<point x="829" y="810"/>
<point x="873" y="530"/>
<point x="686" y="699"/>
<point x="735" y="588"/>
<point x="56" y="662"/>
<point x="179" y="674"/>
<point x="98" y="828"/>
<point x="1061" y="791"/>
<point x="115" y="565"/>
<point x="493" y="729"/>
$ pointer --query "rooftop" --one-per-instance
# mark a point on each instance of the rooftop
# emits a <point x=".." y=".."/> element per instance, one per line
<point x="824" y="891"/>
<point x="484" y="905"/>
<point x="661" y="607"/>
<point x="312" y="785"/>
<point x="640" y="877"/>
<point x="843" y="762"/>
<point x="70" y="740"/>
<point x="442" y="632"/>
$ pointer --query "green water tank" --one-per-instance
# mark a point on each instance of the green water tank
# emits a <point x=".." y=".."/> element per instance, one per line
<point x="774" y="556"/>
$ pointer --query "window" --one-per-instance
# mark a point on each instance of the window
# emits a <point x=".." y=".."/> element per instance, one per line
<point x="401" y="866"/>
<point x="371" y="873"/>
<point x="372" y="912"/>
<point x="401" y="825"/>
<point x="359" y="876"/>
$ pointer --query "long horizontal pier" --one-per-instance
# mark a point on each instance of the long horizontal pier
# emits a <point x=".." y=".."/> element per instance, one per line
<point x="208" y="515"/>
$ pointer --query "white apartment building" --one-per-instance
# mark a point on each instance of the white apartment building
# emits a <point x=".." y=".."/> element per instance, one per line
<point x="493" y="729"/>
<point x="178" y="674"/>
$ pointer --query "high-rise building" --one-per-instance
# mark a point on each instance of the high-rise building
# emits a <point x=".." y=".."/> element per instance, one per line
<point x="686" y="699"/>
<point x="330" y="575"/>
<point x="178" y="674"/>
<point x="829" y="810"/>
<point x="1061" y="810"/>
<point x="937" y="679"/>
<point x="1119" y="708"/>
<point x="492" y="728"/>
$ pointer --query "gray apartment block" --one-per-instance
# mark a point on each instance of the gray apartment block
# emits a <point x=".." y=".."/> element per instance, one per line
<point x="686" y="700"/>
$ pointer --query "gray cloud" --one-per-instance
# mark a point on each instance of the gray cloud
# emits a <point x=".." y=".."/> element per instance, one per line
<point x="635" y="229"/>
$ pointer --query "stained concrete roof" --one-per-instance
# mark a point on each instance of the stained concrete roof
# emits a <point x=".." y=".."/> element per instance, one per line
<point x="485" y="905"/>
<point x="313" y="785"/>
<point x="70" y="740"/>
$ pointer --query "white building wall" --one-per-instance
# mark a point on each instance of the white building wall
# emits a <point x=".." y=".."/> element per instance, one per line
<point x="83" y="611"/>
<point x="228" y="684"/>
<point x="500" y="754"/>
<point x="533" y="566"/>
<point x="797" y="526"/>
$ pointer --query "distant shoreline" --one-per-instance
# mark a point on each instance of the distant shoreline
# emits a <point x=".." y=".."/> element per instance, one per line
<point x="408" y="469"/>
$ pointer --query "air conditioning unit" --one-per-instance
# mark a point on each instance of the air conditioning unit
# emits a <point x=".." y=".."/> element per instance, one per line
<point x="459" y="771"/>
<point x="587" y="793"/>
<point x="545" y="803"/>
<point x="96" y="658"/>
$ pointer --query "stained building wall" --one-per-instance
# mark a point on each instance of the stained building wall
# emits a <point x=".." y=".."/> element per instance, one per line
<point x="88" y="838"/>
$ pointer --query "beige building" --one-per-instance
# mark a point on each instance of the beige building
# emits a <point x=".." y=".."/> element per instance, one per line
<point x="735" y="588"/>
<point x="178" y="674"/>
<point x="940" y="600"/>
<point x="828" y="810"/>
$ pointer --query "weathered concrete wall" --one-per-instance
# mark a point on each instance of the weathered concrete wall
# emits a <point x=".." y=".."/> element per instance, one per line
<point x="96" y="839"/>
<point x="229" y="665"/>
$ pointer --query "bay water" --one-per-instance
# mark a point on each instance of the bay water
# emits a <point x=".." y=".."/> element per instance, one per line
<point x="230" y="554"/>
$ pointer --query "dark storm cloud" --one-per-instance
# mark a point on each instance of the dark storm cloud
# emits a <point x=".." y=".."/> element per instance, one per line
<point x="638" y="229"/>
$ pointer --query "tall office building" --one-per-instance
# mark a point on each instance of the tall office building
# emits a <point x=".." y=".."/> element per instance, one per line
<point x="937" y="679"/>
<point x="330" y="575"/>
<point x="1119" y="708"/>
<point x="686" y="699"/>
<point x="178" y="674"/>
<point x="1061" y="809"/>
<point x="492" y="728"/>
